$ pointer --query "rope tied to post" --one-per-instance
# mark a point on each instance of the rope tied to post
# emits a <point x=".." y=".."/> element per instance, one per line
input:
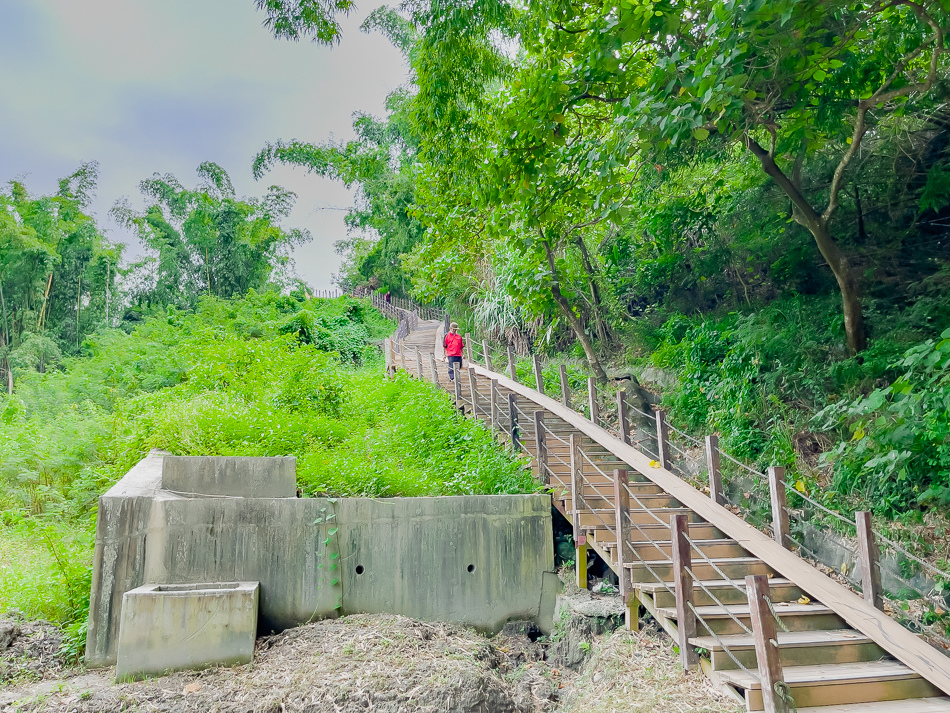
<point x="783" y="691"/>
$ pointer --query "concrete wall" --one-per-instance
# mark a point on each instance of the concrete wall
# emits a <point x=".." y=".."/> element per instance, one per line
<point x="316" y="557"/>
<point x="478" y="560"/>
<point x="232" y="476"/>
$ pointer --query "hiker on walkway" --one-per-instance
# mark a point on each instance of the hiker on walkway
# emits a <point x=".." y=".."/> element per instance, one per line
<point x="453" y="344"/>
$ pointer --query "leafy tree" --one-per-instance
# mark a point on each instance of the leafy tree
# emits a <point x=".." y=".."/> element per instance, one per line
<point x="206" y="240"/>
<point x="57" y="270"/>
<point x="790" y="80"/>
<point x="380" y="162"/>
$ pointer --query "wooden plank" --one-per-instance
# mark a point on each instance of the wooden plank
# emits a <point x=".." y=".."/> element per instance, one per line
<point x="513" y="423"/>
<point x="541" y="453"/>
<point x="577" y="505"/>
<point x="887" y="633"/>
<point x="766" y="644"/>
<point x="592" y="399"/>
<point x="870" y="558"/>
<point x="565" y="386"/>
<point x="433" y="368"/>
<point x="538" y="376"/>
<point x="779" y="505"/>
<point x="468" y="346"/>
<point x="622" y="418"/>
<point x="473" y="388"/>
<point x="715" y="471"/>
<point x="682" y="565"/>
<point x="493" y="403"/>
<point x="663" y="440"/>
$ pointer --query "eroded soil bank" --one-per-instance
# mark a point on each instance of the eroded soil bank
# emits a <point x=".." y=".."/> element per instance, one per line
<point x="385" y="664"/>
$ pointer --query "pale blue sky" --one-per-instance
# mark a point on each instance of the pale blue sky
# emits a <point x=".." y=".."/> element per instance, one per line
<point x="162" y="85"/>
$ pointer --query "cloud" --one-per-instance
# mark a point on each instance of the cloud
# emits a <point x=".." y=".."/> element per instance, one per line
<point x="144" y="87"/>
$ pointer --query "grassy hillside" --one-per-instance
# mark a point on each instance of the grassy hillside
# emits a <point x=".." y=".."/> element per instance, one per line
<point x="264" y="375"/>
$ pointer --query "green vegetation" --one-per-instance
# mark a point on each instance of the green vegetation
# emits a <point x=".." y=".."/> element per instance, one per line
<point x="752" y="196"/>
<point x="264" y="375"/>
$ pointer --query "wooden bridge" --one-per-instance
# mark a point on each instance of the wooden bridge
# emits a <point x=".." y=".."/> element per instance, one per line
<point x="760" y="620"/>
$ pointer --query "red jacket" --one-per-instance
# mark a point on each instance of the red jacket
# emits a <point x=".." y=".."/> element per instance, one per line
<point x="453" y="344"/>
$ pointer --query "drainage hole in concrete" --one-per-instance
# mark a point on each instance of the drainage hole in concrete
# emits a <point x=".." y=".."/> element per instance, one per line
<point x="470" y="568"/>
<point x="360" y="569"/>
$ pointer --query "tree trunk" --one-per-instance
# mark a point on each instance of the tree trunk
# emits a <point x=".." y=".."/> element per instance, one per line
<point x="596" y="301"/>
<point x="817" y="225"/>
<point x="850" y="294"/>
<point x="578" y="328"/>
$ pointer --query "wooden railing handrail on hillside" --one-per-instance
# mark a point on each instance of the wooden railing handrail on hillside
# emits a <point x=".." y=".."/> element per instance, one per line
<point x="860" y="614"/>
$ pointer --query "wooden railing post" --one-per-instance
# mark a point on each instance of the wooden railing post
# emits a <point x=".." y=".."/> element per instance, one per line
<point x="779" y="505"/>
<point x="577" y="504"/>
<point x="592" y="400"/>
<point x="766" y="644"/>
<point x="419" y="364"/>
<point x="493" y="403"/>
<point x="683" y="580"/>
<point x="622" y="525"/>
<point x="402" y="355"/>
<point x="473" y="389"/>
<point x="623" y="421"/>
<point x="538" y="376"/>
<point x="512" y="365"/>
<point x="541" y="447"/>
<point x="457" y="388"/>
<point x="446" y="323"/>
<point x="663" y="440"/>
<point x="487" y="354"/>
<point x="386" y="354"/>
<point x="434" y="368"/>
<point x="468" y="346"/>
<point x="565" y="386"/>
<point x="513" y="423"/>
<point x="870" y="557"/>
<point x="715" y="471"/>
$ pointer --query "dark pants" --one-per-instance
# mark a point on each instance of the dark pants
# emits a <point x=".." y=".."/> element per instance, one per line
<point x="455" y="360"/>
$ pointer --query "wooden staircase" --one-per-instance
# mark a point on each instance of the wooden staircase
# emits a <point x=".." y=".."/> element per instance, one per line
<point x="835" y="652"/>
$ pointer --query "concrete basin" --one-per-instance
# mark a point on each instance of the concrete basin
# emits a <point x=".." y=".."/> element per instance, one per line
<point x="171" y="627"/>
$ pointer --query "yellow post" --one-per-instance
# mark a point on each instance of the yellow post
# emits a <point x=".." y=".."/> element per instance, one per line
<point x="631" y="616"/>
<point x="580" y="561"/>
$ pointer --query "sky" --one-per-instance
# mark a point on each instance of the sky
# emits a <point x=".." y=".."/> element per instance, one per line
<point x="146" y="86"/>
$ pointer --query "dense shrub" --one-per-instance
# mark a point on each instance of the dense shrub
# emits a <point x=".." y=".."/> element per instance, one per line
<point x="898" y="456"/>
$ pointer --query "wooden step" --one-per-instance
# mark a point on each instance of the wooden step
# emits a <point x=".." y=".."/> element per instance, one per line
<point x="733" y="567"/>
<point x="661" y="532"/>
<point x="826" y="685"/>
<point x="908" y="705"/>
<point x="656" y="516"/>
<point x="782" y="590"/>
<point x="797" y="648"/>
<point x="795" y="616"/>
<point x="711" y="548"/>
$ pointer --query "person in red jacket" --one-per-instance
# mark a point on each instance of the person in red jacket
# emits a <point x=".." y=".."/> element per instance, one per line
<point x="453" y="344"/>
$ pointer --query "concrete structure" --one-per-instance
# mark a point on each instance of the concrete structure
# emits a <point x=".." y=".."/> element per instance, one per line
<point x="170" y="627"/>
<point x="230" y="476"/>
<point x="479" y="560"/>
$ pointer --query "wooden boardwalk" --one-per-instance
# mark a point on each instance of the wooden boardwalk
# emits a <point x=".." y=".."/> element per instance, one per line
<point x="690" y="562"/>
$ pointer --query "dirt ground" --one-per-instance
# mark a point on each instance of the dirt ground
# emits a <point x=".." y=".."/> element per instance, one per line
<point x="383" y="664"/>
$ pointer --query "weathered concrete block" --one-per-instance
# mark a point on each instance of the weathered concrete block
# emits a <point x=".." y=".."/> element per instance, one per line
<point x="119" y="560"/>
<point x="170" y="627"/>
<point x="232" y="476"/>
<point x="477" y="560"/>
<point x="279" y="542"/>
